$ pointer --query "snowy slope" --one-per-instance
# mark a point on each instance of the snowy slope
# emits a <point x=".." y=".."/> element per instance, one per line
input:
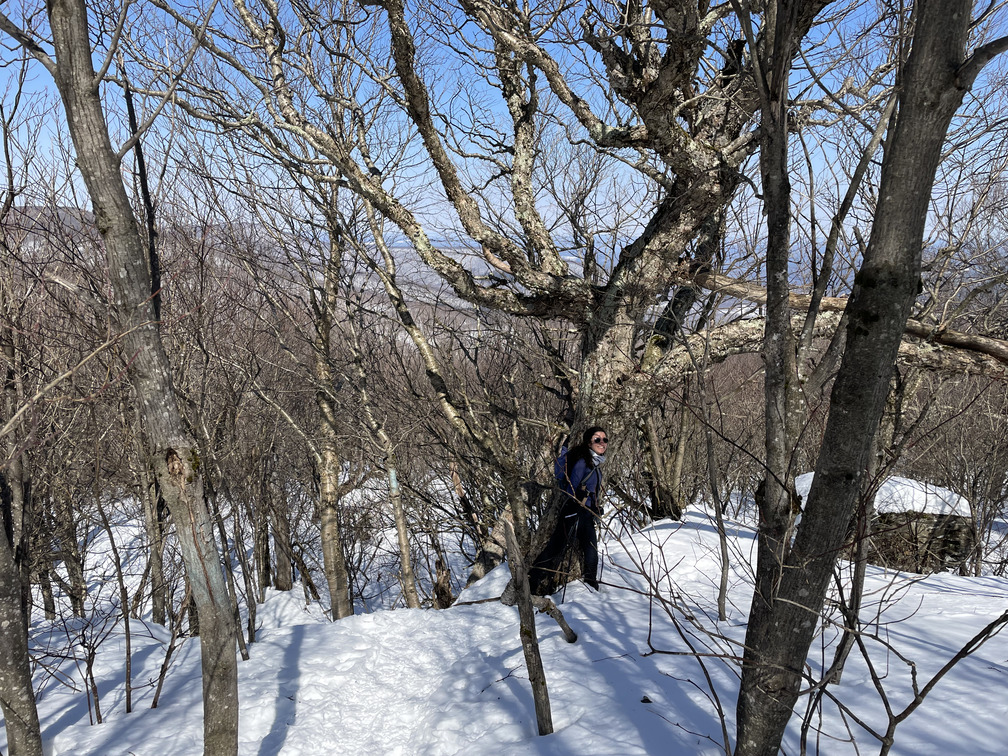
<point x="453" y="682"/>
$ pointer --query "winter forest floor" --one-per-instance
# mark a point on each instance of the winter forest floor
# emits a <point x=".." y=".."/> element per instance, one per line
<point x="646" y="675"/>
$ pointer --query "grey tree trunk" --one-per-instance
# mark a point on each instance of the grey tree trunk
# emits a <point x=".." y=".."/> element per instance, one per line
<point x="45" y="587"/>
<point x="781" y="389"/>
<point x="783" y="623"/>
<point x="679" y="461"/>
<point x="327" y="458"/>
<point x="69" y="548"/>
<point x="17" y="699"/>
<point x="664" y="495"/>
<point x="402" y="534"/>
<point x="12" y="398"/>
<point x="155" y="551"/>
<point x="247" y="580"/>
<point x="333" y="558"/>
<point x="492" y="545"/>
<point x="715" y="490"/>
<point x="124" y="603"/>
<point x="15" y="479"/>
<point x="170" y="446"/>
<point x="260" y="527"/>
<point x="283" y="552"/>
<point x="517" y="535"/>
<point x="517" y="540"/>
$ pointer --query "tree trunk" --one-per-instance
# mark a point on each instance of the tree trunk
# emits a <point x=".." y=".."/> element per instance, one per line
<point x="170" y="446"/>
<point x="664" y="503"/>
<point x="333" y="558"/>
<point x="69" y="548"/>
<point x="252" y="598"/>
<point x="517" y="535"/>
<point x="443" y="596"/>
<point x="260" y="527"/>
<point x="675" y="482"/>
<point x="781" y="629"/>
<point x="283" y="552"/>
<point x="155" y="550"/>
<point x="123" y="593"/>
<point x="14" y="478"/>
<point x="45" y="588"/>
<point x="211" y="499"/>
<point x="402" y="535"/>
<point x="492" y="546"/>
<point x="517" y="542"/>
<point x="17" y="700"/>
<point x="716" y="501"/>
<point x="327" y="459"/>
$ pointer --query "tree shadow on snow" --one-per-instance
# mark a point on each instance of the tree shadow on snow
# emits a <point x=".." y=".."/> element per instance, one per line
<point x="285" y="711"/>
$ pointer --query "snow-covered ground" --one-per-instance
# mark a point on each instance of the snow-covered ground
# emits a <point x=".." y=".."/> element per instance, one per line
<point x="653" y="670"/>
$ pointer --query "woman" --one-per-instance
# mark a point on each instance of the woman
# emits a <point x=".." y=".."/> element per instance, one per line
<point x="578" y="477"/>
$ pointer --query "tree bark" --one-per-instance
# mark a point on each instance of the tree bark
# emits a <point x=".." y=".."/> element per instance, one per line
<point x="283" y="552"/>
<point x="69" y="548"/>
<point x="664" y="502"/>
<point x="17" y="697"/>
<point x="170" y="446"/>
<point x="333" y="558"/>
<point x="327" y="459"/>
<point x="517" y="540"/>
<point x="402" y="534"/>
<point x="781" y="631"/>
<point x="17" y="700"/>
<point x="155" y="550"/>
<point x="491" y="547"/>
<point x="679" y="461"/>
<point x="516" y="532"/>
<point x="261" y="524"/>
<point x="124" y="604"/>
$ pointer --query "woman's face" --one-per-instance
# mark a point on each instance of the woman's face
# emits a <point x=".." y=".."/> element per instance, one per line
<point x="599" y="442"/>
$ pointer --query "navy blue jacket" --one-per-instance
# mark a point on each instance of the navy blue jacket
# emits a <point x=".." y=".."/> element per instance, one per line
<point x="581" y="480"/>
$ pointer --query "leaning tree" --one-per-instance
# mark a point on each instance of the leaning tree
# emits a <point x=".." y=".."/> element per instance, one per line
<point x="66" y="51"/>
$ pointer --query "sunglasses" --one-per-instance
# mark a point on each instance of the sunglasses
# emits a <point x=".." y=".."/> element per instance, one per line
<point x="600" y="440"/>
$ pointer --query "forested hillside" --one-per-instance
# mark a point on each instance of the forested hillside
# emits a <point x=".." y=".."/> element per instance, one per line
<point x="310" y="296"/>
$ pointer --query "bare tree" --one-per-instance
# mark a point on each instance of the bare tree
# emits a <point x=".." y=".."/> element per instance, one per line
<point x="17" y="698"/>
<point x="169" y="444"/>
<point x="668" y="100"/>
<point x="792" y="578"/>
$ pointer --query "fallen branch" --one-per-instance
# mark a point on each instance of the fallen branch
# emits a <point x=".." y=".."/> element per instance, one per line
<point x="544" y="605"/>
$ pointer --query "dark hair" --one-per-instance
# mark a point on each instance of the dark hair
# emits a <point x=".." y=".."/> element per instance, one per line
<point x="586" y="437"/>
<point x="583" y="450"/>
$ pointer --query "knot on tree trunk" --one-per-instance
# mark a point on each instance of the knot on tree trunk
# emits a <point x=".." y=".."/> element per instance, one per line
<point x="174" y="464"/>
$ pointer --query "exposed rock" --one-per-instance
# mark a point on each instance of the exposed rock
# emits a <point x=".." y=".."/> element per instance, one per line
<point x="921" y="541"/>
<point x="917" y="526"/>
